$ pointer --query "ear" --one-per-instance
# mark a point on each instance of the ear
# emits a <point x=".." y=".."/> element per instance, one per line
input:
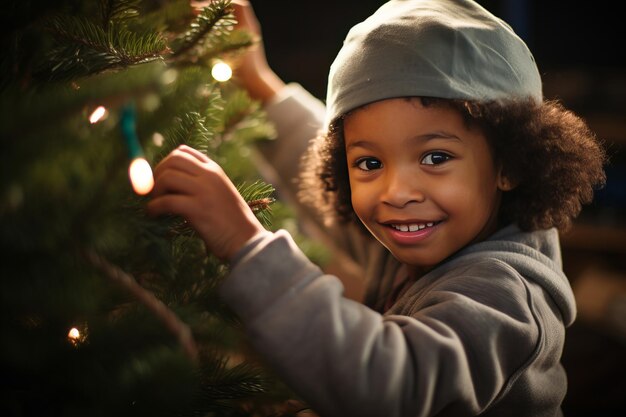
<point x="504" y="182"/>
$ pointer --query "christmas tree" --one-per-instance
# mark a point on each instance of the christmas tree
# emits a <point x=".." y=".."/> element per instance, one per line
<point x="106" y="311"/>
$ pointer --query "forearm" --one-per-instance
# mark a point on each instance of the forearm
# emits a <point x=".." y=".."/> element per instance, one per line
<point x="264" y="86"/>
<point x="298" y="118"/>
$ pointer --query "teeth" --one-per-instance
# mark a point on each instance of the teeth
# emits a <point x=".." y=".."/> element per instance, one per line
<point x="413" y="227"/>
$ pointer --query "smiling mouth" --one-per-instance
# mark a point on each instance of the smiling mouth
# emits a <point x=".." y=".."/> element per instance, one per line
<point x="412" y="227"/>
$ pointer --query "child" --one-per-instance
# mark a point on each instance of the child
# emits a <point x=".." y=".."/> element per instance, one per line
<point x="437" y="143"/>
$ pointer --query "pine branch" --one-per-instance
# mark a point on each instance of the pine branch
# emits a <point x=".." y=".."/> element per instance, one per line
<point x="260" y="203"/>
<point x="258" y="195"/>
<point x="189" y="129"/>
<point x="70" y="190"/>
<point x="19" y="110"/>
<point x="118" y="10"/>
<point x="236" y="42"/>
<point x="224" y="382"/>
<point x="86" y="48"/>
<point x="171" y="16"/>
<point x="145" y="297"/>
<point x="212" y="24"/>
<point x="238" y="107"/>
<point x="244" y="120"/>
<point x="214" y="119"/>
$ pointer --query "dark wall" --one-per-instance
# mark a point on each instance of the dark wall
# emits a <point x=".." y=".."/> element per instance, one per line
<point x="303" y="37"/>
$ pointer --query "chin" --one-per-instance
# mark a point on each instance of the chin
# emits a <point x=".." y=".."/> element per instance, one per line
<point x="412" y="257"/>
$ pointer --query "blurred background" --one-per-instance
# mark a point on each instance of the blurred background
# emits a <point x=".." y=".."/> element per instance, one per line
<point x="579" y="48"/>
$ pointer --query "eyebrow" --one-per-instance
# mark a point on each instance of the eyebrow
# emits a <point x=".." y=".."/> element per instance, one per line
<point x="424" y="138"/>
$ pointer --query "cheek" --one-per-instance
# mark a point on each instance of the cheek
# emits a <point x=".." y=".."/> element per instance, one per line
<point x="362" y="200"/>
<point x="357" y="198"/>
<point x="474" y="198"/>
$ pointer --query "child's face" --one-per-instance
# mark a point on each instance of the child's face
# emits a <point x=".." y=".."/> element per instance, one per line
<point x="422" y="182"/>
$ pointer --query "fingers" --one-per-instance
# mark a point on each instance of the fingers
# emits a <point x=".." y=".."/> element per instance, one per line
<point x="170" y="204"/>
<point x="184" y="159"/>
<point x="191" y="185"/>
<point x="186" y="171"/>
<point x="175" y="182"/>
<point x="246" y="19"/>
<point x="194" y="152"/>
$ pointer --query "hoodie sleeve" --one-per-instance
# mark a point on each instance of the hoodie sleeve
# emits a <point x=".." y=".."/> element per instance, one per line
<point x="298" y="117"/>
<point x="457" y="350"/>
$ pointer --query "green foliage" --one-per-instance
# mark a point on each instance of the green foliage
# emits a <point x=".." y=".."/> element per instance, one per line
<point x="26" y="112"/>
<point x="118" y="10"/>
<point x="259" y="198"/>
<point x="94" y="48"/>
<point x="212" y="25"/>
<point x="65" y="196"/>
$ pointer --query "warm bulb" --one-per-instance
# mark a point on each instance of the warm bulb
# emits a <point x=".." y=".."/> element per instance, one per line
<point x="158" y="139"/>
<point x="97" y="115"/>
<point x="140" y="175"/>
<point x="221" y="71"/>
<point x="74" y="334"/>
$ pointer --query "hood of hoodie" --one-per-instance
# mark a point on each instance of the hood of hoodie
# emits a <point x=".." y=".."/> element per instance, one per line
<point x="536" y="256"/>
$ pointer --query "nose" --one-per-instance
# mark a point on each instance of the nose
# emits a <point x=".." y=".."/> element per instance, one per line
<point x="402" y="186"/>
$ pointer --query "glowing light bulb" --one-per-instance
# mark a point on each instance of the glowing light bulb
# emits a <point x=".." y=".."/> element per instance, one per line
<point x="158" y="139"/>
<point x="221" y="71"/>
<point x="74" y="334"/>
<point x="140" y="175"/>
<point x="97" y="114"/>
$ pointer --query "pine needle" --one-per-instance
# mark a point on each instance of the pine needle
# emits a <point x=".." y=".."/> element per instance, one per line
<point x="85" y="48"/>
<point x="160" y="310"/>
<point x="118" y="10"/>
<point x="212" y="25"/>
<point x="258" y="195"/>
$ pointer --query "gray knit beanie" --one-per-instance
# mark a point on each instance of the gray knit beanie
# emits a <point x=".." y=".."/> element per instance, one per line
<point x="439" y="48"/>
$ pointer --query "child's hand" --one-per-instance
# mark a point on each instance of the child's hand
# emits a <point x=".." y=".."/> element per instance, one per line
<point x="253" y="72"/>
<point x="190" y="184"/>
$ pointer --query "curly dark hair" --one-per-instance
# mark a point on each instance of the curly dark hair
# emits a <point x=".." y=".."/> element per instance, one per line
<point x="550" y="153"/>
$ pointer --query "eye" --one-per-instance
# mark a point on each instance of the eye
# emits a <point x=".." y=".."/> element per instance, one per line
<point x="436" y="158"/>
<point x="368" y="164"/>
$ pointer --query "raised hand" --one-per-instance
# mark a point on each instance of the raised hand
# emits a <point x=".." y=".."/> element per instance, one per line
<point x="253" y="72"/>
<point x="190" y="184"/>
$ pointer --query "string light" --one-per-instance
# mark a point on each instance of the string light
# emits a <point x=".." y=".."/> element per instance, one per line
<point x="139" y="170"/>
<point x="169" y="76"/>
<point x="140" y="175"/>
<point x="74" y="334"/>
<point x="75" y="337"/>
<point x="158" y="139"/>
<point x="221" y="71"/>
<point x="97" y="115"/>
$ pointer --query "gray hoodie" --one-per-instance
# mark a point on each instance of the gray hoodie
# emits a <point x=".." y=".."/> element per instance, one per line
<point x="482" y="333"/>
